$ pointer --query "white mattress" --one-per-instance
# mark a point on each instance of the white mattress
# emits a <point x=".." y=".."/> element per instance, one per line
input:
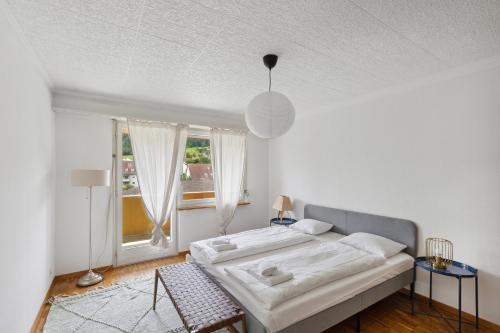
<point x="314" y="301"/>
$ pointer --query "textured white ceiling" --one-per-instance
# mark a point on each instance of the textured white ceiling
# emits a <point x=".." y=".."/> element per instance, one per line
<point x="207" y="53"/>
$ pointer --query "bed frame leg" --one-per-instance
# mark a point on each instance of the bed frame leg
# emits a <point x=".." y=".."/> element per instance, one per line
<point x="412" y="297"/>
<point x="358" y="322"/>
<point x="244" y="324"/>
<point x="412" y="288"/>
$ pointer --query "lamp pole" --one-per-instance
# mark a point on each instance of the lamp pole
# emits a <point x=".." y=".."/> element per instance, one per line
<point x="90" y="229"/>
<point x="91" y="277"/>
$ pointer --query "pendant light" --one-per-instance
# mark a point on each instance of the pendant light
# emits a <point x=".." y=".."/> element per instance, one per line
<point x="270" y="114"/>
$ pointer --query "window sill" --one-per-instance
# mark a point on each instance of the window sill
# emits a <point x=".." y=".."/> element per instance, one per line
<point x="191" y="207"/>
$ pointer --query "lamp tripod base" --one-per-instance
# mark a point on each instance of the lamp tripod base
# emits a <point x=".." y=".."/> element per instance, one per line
<point x="89" y="279"/>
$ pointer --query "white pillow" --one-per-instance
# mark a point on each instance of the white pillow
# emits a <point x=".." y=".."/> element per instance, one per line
<point x="312" y="227"/>
<point x="374" y="244"/>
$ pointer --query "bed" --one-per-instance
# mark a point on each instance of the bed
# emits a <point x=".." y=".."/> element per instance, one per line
<point x="327" y="305"/>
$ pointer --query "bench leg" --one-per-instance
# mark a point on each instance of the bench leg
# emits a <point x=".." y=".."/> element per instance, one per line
<point x="156" y="290"/>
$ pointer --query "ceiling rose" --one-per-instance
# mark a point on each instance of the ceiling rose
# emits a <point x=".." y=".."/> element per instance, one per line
<point x="270" y="114"/>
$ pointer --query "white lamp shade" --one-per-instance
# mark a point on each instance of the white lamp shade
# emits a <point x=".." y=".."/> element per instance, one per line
<point x="90" y="177"/>
<point x="269" y="115"/>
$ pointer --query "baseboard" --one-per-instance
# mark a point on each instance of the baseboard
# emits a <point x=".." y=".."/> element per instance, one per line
<point x="452" y="310"/>
<point x="80" y="273"/>
<point x="105" y="268"/>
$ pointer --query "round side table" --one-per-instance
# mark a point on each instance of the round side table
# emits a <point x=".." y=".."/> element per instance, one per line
<point x="286" y="221"/>
<point x="457" y="270"/>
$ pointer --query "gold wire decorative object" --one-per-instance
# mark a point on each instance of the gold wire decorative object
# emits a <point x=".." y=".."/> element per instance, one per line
<point x="439" y="252"/>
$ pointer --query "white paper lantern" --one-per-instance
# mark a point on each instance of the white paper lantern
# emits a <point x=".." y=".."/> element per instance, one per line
<point x="269" y="115"/>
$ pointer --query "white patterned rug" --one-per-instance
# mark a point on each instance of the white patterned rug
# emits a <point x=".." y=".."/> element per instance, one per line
<point x="126" y="307"/>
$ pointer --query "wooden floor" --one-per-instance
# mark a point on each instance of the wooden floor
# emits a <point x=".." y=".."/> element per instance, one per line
<point x="389" y="315"/>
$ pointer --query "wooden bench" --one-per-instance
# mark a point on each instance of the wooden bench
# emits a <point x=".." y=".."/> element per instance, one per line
<point x="202" y="305"/>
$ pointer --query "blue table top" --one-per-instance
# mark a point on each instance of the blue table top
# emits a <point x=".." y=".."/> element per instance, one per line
<point x="286" y="221"/>
<point x="456" y="269"/>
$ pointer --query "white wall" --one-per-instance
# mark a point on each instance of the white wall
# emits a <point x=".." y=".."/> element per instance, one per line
<point x="431" y="155"/>
<point x="84" y="141"/>
<point x="27" y="169"/>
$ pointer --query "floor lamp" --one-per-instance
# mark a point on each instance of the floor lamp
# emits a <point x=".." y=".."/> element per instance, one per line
<point x="90" y="179"/>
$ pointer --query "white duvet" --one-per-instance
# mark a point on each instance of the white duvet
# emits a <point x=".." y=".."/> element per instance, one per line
<point x="251" y="242"/>
<point x="312" y="267"/>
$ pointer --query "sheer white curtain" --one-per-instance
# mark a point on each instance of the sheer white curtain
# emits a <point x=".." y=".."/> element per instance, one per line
<point x="158" y="154"/>
<point x="228" y="153"/>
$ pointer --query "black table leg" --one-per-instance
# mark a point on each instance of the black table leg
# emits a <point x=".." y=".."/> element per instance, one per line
<point x="459" y="304"/>
<point x="477" y="302"/>
<point x="358" y="322"/>
<point x="459" y="271"/>
<point x="430" y="288"/>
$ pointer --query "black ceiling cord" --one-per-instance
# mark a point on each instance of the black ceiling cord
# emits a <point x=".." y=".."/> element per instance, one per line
<point x="270" y="61"/>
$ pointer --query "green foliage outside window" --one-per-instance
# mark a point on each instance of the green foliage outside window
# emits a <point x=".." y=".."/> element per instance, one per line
<point x="127" y="147"/>
<point x="197" y="151"/>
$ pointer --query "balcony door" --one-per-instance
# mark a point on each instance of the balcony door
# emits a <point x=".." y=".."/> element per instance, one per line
<point x="133" y="227"/>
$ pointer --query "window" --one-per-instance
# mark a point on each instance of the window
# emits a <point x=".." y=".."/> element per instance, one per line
<point x="129" y="180"/>
<point x="197" y="182"/>
<point x="197" y="185"/>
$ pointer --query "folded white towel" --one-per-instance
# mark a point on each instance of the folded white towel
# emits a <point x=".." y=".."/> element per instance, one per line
<point x="267" y="268"/>
<point x="277" y="278"/>
<point x="224" y="247"/>
<point x="218" y="241"/>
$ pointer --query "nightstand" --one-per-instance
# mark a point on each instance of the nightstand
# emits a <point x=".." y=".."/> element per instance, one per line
<point x="286" y="221"/>
<point x="457" y="270"/>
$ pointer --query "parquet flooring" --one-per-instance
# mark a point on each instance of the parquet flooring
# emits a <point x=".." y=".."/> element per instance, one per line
<point x="391" y="315"/>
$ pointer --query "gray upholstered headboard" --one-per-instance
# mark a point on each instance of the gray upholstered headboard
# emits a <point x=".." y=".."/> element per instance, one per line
<point x="347" y="222"/>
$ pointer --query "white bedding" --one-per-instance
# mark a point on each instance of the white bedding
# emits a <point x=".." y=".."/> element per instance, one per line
<point x="249" y="243"/>
<point x="312" y="267"/>
<point x="312" y="302"/>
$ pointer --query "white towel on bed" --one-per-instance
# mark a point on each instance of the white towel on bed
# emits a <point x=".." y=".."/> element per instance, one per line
<point x="267" y="269"/>
<point x="224" y="247"/>
<point x="272" y="280"/>
<point x="218" y="241"/>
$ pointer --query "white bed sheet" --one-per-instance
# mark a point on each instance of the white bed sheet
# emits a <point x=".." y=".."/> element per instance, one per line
<point x="314" y="301"/>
